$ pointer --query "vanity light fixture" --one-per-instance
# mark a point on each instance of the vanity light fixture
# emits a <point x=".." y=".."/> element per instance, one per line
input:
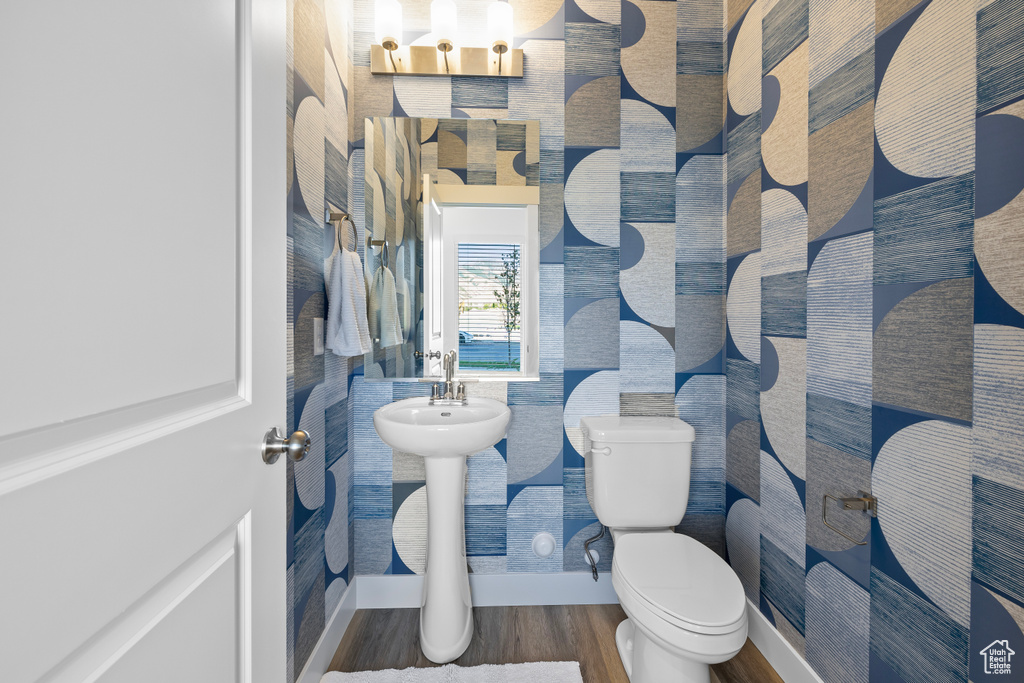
<point x="444" y="22"/>
<point x="499" y="28"/>
<point x="495" y="58"/>
<point x="388" y="27"/>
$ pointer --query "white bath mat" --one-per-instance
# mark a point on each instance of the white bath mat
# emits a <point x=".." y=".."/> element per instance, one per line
<point x="533" y="672"/>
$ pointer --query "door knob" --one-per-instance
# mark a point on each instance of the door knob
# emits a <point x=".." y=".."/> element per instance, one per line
<point x="274" y="444"/>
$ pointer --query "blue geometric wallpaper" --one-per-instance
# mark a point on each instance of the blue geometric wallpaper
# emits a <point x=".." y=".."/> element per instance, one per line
<point x="319" y="543"/>
<point x="632" y="208"/>
<point x="833" y="191"/>
<point x="875" y="329"/>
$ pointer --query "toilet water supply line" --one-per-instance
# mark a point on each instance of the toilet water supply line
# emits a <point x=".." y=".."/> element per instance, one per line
<point x="586" y="544"/>
<point x="586" y="549"/>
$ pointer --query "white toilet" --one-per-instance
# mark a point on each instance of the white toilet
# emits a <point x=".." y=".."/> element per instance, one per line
<point x="686" y="606"/>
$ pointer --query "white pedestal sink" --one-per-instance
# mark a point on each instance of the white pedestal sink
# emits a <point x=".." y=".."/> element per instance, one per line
<point x="444" y="435"/>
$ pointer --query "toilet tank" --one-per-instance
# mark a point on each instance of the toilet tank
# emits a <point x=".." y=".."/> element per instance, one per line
<point x="637" y="469"/>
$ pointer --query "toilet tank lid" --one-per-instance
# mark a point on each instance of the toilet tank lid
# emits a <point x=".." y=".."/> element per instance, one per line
<point x="636" y="429"/>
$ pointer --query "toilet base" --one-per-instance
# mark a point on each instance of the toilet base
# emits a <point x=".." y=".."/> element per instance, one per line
<point x="624" y="644"/>
<point x="646" y="662"/>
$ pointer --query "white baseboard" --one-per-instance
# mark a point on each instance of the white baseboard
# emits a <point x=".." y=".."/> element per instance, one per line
<point x="489" y="590"/>
<point x="334" y="631"/>
<point x="786" y="661"/>
<point x="566" y="588"/>
<point x="389" y="591"/>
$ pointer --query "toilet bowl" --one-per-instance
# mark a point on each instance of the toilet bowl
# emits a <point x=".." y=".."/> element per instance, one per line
<point x="686" y="608"/>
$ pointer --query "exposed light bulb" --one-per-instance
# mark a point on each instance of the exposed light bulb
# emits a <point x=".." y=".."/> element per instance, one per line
<point x="499" y="26"/>
<point x="388" y="24"/>
<point x="444" y="23"/>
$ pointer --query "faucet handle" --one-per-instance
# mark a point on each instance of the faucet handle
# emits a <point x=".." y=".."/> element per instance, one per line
<point x="461" y="393"/>
<point x="435" y="391"/>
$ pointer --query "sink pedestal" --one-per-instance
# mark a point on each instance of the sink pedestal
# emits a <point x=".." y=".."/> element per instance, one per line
<point x="444" y="434"/>
<point x="446" y="614"/>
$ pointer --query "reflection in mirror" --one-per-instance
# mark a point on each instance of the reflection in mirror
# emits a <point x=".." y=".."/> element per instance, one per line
<point x="393" y="200"/>
<point x="485" y="265"/>
<point x="489" y="317"/>
<point x="447" y="165"/>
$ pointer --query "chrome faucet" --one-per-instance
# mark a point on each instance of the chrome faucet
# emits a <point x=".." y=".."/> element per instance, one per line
<point x="446" y="392"/>
<point x="449" y="364"/>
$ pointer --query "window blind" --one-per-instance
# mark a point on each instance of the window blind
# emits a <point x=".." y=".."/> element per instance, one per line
<point x="481" y="312"/>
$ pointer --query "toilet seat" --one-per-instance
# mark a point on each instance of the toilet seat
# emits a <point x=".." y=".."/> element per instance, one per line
<point x="681" y="581"/>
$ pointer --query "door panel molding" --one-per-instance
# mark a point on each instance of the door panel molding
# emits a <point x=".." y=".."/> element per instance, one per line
<point x="57" y="447"/>
<point x="244" y="188"/>
<point x="53" y="450"/>
<point x="113" y="266"/>
<point x="101" y="652"/>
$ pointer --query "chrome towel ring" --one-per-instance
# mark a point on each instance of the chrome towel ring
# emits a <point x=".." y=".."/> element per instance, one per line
<point x="338" y="219"/>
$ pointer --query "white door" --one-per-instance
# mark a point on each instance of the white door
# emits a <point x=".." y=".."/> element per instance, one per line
<point x="433" y="284"/>
<point x="142" y="300"/>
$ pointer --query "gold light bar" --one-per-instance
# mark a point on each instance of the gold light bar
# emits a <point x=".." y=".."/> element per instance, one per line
<point x="426" y="60"/>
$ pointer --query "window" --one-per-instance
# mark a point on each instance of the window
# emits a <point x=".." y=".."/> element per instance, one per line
<point x="490" y="289"/>
<point x="482" y="265"/>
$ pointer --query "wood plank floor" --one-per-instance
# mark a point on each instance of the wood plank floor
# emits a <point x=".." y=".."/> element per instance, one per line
<point x="389" y="639"/>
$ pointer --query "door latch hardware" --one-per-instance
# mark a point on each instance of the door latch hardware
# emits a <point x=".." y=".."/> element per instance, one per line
<point x="274" y="444"/>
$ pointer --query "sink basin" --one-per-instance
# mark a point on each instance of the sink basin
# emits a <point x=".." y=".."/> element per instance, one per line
<point x="444" y="435"/>
<point x="413" y="425"/>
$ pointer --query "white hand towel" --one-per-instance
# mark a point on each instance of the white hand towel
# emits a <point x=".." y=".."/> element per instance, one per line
<point x="404" y="307"/>
<point x="404" y="290"/>
<point x="348" y="330"/>
<point x="384" y="322"/>
<point x="333" y="307"/>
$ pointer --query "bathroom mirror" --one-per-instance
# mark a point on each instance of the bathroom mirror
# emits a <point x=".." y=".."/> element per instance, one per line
<point x="451" y="247"/>
<point x="393" y="246"/>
